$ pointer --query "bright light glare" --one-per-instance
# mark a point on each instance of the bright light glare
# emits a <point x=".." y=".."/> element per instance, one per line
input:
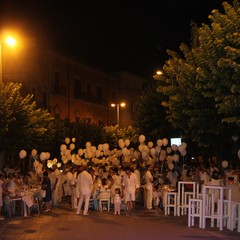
<point x="113" y="105"/>
<point x="11" y="41"/>
<point x="122" y="104"/>
<point x="159" y="72"/>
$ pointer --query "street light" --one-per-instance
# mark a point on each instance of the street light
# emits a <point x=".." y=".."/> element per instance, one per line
<point x="10" y="41"/>
<point x="118" y="105"/>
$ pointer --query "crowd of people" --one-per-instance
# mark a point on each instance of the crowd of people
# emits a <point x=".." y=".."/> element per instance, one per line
<point x="131" y="183"/>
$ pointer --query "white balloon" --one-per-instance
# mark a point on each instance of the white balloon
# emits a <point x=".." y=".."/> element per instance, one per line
<point x="93" y="149"/>
<point x="150" y="144"/>
<point x="35" y="163"/>
<point x="80" y="152"/>
<point x="98" y="153"/>
<point x="105" y="146"/>
<point x="141" y="138"/>
<point x="49" y="163"/>
<point x="146" y="149"/>
<point x="34" y="152"/>
<point x="67" y="153"/>
<point x="42" y="156"/>
<point x="59" y="165"/>
<point x="47" y="155"/>
<point x="54" y="161"/>
<point x="22" y="154"/>
<point x="88" y="144"/>
<point x="152" y="152"/>
<point x="67" y="140"/>
<point x="174" y="147"/>
<point x="63" y="148"/>
<point x="165" y="142"/>
<point x="72" y="146"/>
<point x="159" y="142"/>
<point x="127" y="142"/>
<point x="224" y="164"/>
<point x="140" y="147"/>
<point x="238" y="153"/>
<point x="100" y="147"/>
<point x="121" y="143"/>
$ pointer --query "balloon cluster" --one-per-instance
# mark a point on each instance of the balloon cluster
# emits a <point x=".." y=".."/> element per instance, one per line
<point x="101" y="154"/>
<point x="162" y="151"/>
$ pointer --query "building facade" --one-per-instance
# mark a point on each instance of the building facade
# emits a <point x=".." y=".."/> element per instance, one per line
<point x="70" y="89"/>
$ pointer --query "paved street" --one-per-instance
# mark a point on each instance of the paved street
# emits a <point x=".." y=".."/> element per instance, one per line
<point x="62" y="223"/>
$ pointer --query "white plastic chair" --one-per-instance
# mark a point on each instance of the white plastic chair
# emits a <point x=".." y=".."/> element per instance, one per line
<point x="104" y="198"/>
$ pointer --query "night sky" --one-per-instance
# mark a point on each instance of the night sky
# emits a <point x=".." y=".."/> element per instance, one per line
<point x="130" y="35"/>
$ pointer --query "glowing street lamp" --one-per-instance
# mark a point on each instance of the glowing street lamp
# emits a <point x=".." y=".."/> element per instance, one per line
<point x="118" y="105"/>
<point x="10" y="41"/>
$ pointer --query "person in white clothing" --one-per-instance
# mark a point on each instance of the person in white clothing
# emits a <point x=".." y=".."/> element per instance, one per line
<point x="85" y="185"/>
<point x="130" y="188"/>
<point x="56" y="181"/>
<point x="149" y="187"/>
<point x="117" y="201"/>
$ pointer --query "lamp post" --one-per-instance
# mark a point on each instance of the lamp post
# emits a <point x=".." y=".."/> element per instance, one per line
<point x="118" y="105"/>
<point x="10" y="41"/>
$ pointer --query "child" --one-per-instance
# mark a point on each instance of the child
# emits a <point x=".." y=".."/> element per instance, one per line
<point x="117" y="201"/>
<point x="157" y="197"/>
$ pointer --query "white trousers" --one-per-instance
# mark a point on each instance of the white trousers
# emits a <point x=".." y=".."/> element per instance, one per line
<point x="86" y="198"/>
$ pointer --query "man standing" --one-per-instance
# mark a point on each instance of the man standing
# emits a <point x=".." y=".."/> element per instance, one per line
<point x="84" y="184"/>
<point x="130" y="187"/>
<point x="149" y="187"/>
<point x="56" y="183"/>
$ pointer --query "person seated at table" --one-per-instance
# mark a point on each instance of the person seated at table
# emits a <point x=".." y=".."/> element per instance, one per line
<point x="172" y="176"/>
<point x="46" y="186"/>
<point x="11" y="184"/>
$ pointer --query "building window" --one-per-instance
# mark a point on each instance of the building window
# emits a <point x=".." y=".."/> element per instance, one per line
<point x="77" y="89"/>
<point x="56" y="82"/>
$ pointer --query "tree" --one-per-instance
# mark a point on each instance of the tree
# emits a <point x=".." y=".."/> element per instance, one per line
<point x="113" y="133"/>
<point x="150" y="115"/>
<point x="202" y="84"/>
<point x="22" y="125"/>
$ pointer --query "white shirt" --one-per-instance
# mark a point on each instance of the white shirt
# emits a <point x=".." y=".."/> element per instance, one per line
<point x="130" y="183"/>
<point x="85" y="183"/>
<point x="148" y="179"/>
